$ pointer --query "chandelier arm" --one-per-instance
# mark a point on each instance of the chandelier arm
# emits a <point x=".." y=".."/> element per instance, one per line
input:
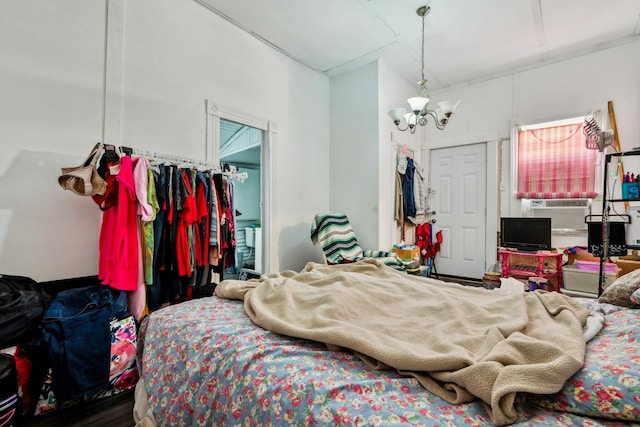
<point x="436" y="120"/>
<point x="400" y="129"/>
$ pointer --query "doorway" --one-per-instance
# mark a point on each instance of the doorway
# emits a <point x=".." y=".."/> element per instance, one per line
<point x="458" y="177"/>
<point x="240" y="154"/>
<point x="243" y="143"/>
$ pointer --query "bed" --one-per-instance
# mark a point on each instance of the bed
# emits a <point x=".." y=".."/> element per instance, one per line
<point x="207" y="362"/>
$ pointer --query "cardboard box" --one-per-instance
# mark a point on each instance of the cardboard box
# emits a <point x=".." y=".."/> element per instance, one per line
<point x="410" y="253"/>
<point x="583" y="256"/>
<point x="628" y="263"/>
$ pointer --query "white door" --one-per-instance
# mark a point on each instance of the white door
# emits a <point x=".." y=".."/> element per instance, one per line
<point x="458" y="177"/>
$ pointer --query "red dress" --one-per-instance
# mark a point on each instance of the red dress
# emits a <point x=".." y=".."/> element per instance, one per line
<point x="186" y="218"/>
<point x="118" y="265"/>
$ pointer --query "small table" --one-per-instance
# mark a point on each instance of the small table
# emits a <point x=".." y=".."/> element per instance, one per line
<point x="540" y="264"/>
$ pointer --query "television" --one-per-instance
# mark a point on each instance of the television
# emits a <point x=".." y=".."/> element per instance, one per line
<point x="525" y="234"/>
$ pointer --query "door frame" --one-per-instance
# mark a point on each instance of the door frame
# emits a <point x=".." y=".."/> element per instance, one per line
<point x="493" y="186"/>
<point x="214" y="113"/>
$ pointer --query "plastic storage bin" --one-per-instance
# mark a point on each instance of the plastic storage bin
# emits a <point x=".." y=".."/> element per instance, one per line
<point x="579" y="282"/>
<point x="630" y="190"/>
<point x="250" y="237"/>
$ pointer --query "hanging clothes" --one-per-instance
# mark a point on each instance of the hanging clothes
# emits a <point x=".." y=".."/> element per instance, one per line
<point x="176" y="194"/>
<point x="187" y="216"/>
<point x="398" y="202"/>
<point x="214" y="241"/>
<point x="420" y="196"/>
<point x="118" y="267"/>
<point x="223" y="235"/>
<point x="163" y="227"/>
<point x="229" y="212"/>
<point x="155" y="293"/>
<point x="148" y="227"/>
<point x="407" y="190"/>
<point x="144" y="212"/>
<point x="203" y="218"/>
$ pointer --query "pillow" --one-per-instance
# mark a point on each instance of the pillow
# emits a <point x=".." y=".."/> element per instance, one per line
<point x="619" y="293"/>
<point x="635" y="297"/>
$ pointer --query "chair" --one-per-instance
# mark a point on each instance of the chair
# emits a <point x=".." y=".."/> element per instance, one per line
<point x="339" y="244"/>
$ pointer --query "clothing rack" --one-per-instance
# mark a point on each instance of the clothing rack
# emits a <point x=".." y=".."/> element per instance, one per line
<point x="168" y="158"/>
<point x="227" y="171"/>
<point x="405" y="150"/>
<point x="199" y="164"/>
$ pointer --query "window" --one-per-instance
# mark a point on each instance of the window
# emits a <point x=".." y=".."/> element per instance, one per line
<point x="554" y="163"/>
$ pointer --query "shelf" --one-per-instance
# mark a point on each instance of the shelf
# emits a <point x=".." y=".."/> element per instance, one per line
<point x="624" y="153"/>
<point x="531" y="273"/>
<point x="606" y="209"/>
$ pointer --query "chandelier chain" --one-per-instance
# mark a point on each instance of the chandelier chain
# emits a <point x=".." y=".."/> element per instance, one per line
<point x="422" y="48"/>
<point x="419" y="111"/>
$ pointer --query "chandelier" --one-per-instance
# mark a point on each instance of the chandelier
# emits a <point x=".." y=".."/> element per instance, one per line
<point x="419" y="111"/>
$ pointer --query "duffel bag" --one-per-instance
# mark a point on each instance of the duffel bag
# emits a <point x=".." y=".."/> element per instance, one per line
<point x="9" y="402"/>
<point x="22" y="303"/>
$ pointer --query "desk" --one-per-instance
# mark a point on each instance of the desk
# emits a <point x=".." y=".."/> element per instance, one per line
<point x="525" y="265"/>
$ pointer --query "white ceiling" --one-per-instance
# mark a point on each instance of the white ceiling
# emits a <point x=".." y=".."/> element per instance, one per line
<point x="465" y="40"/>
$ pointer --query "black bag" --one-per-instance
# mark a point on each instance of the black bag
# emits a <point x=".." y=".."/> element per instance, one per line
<point x="22" y="303"/>
<point x="617" y="239"/>
<point x="10" y="404"/>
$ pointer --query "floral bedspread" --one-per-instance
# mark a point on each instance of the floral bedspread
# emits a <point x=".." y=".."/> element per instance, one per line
<point x="205" y="363"/>
<point x="608" y="385"/>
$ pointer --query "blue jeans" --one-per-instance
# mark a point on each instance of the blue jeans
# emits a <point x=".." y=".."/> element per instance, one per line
<point x="407" y="190"/>
<point x="154" y="291"/>
<point x="77" y="327"/>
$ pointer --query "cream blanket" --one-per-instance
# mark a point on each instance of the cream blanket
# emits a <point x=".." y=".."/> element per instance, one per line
<point x="461" y="343"/>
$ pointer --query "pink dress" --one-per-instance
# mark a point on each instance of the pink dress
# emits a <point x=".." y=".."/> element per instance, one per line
<point x="137" y="298"/>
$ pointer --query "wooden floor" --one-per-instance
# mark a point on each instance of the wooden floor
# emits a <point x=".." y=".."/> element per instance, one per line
<point x="461" y="280"/>
<point x="112" y="411"/>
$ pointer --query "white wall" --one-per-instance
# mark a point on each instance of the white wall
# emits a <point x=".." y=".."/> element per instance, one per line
<point x="51" y="84"/>
<point x="354" y="167"/>
<point x="569" y="88"/>
<point x="363" y="155"/>
<point x="176" y="54"/>
<point x="393" y="92"/>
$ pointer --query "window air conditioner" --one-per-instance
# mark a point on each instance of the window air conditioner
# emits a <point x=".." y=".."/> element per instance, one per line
<point x="565" y="214"/>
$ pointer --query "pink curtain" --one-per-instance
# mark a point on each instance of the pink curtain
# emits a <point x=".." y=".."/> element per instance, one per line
<point x="554" y="163"/>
